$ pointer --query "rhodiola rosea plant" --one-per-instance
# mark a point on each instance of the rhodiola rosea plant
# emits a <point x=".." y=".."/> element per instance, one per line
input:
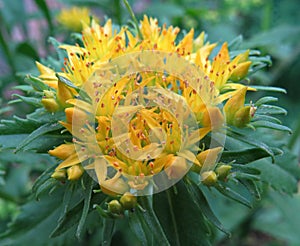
<point x="148" y="127"/>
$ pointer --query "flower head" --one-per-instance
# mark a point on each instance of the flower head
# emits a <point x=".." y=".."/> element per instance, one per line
<point x="149" y="102"/>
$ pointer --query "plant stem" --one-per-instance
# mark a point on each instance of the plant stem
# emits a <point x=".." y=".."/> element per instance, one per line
<point x="118" y="11"/>
<point x="136" y="23"/>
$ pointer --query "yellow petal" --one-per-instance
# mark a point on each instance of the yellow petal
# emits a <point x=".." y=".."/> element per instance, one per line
<point x="70" y="161"/>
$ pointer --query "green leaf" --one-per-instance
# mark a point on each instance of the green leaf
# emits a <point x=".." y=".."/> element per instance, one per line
<point x="42" y="116"/>
<point x="280" y="218"/>
<point x="41" y="144"/>
<point x="182" y="220"/>
<point x="37" y="133"/>
<point x="251" y="141"/>
<point x="42" y="179"/>
<point x="62" y="54"/>
<point x="271" y="125"/>
<point x="36" y="83"/>
<point x="235" y="43"/>
<point x="275" y="176"/>
<point x="86" y="206"/>
<point x="271" y="109"/>
<point x="289" y="162"/>
<point x="26" y="88"/>
<point x="66" y="81"/>
<point x="67" y="200"/>
<point x="137" y="226"/>
<point x="252" y="187"/>
<point x="230" y="193"/>
<point x="47" y="186"/>
<point x="35" y="222"/>
<point x="266" y="118"/>
<point x="201" y="201"/>
<point x="244" y="169"/>
<point x="269" y="88"/>
<point x="151" y="221"/>
<point x="69" y="221"/>
<point x="247" y="155"/>
<point x="265" y="100"/>
<point x="29" y="100"/>
<point x="107" y="233"/>
<point x="27" y="49"/>
<point x="73" y="216"/>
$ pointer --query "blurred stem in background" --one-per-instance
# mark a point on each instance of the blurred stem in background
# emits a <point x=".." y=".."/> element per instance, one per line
<point x="267" y="15"/>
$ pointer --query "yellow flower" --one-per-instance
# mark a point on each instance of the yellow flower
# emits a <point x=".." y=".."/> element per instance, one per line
<point x="128" y="132"/>
<point x="72" y="18"/>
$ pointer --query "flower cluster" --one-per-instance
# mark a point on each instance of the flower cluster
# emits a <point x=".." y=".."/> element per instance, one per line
<point x="165" y="128"/>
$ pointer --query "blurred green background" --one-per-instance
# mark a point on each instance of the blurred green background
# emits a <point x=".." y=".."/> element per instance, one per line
<point x="271" y="26"/>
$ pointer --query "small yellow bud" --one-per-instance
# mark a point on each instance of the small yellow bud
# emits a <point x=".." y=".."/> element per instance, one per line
<point x="128" y="201"/>
<point x="50" y="104"/>
<point x="234" y="104"/>
<point x="49" y="94"/>
<point x="115" y="207"/>
<point x="63" y="151"/>
<point x="240" y="71"/>
<point x="242" y="117"/>
<point x="59" y="175"/>
<point x="75" y="172"/>
<point x="63" y="94"/>
<point x="209" y="178"/>
<point x="223" y="171"/>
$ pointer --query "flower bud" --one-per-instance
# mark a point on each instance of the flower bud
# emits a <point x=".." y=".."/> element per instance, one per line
<point x="209" y="178"/>
<point x="242" y="117"/>
<point x="240" y="71"/>
<point x="59" y="175"/>
<point x="128" y="201"/>
<point x="63" y="94"/>
<point x="115" y="207"/>
<point x="49" y="94"/>
<point x="223" y="171"/>
<point x="50" y="104"/>
<point x="47" y="75"/>
<point x="63" y="151"/>
<point x="235" y="103"/>
<point x="75" y="172"/>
